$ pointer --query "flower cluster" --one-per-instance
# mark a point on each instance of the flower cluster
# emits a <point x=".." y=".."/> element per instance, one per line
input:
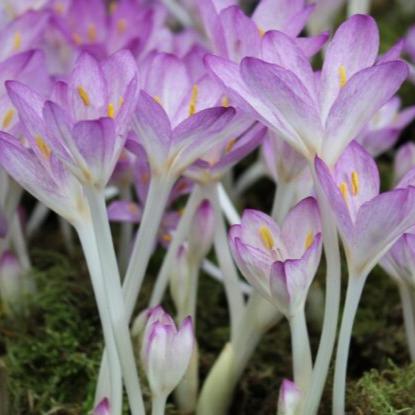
<point x="136" y="112"/>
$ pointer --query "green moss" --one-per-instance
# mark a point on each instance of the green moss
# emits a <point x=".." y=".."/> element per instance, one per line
<point x="52" y="356"/>
<point x="387" y="392"/>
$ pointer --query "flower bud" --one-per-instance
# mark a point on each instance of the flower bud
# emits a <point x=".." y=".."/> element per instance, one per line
<point x="166" y="351"/>
<point x="180" y="278"/>
<point x="103" y="408"/>
<point x="289" y="398"/>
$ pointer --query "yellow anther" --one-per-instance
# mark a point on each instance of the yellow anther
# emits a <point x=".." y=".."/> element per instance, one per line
<point x="43" y="147"/>
<point x="121" y="25"/>
<point x="17" y="41"/>
<point x="261" y="32"/>
<point x="355" y="183"/>
<point x="166" y="237"/>
<point x="230" y="145"/>
<point x="145" y="178"/>
<point x="59" y="8"/>
<point x="84" y="96"/>
<point x="120" y="101"/>
<point x="112" y="7"/>
<point x="342" y="76"/>
<point x="91" y="32"/>
<point x="309" y="239"/>
<point x="266" y="237"/>
<point x="193" y="100"/>
<point x="157" y="99"/>
<point x="133" y="208"/>
<point x="225" y="102"/>
<point x="8" y="118"/>
<point x="76" y="37"/>
<point x="343" y="190"/>
<point x="111" y="110"/>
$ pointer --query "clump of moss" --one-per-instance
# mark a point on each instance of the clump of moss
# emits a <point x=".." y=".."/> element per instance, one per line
<point x="387" y="392"/>
<point x="52" y="355"/>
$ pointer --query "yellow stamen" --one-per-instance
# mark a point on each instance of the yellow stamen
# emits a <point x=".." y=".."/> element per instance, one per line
<point x="225" y="102"/>
<point x="309" y="240"/>
<point x="59" y="8"/>
<point x="145" y="177"/>
<point x="84" y="96"/>
<point x="343" y="190"/>
<point x="266" y="237"/>
<point x="355" y="183"/>
<point x="43" y="147"/>
<point x="112" y="7"/>
<point x="342" y="76"/>
<point x="193" y="100"/>
<point x="121" y="25"/>
<point x="76" y="37"/>
<point x="17" y="41"/>
<point x="8" y="118"/>
<point x="91" y="32"/>
<point x="230" y="145"/>
<point x="157" y="99"/>
<point x="111" y="110"/>
<point x="166" y="237"/>
<point x="261" y="32"/>
<point x="133" y="208"/>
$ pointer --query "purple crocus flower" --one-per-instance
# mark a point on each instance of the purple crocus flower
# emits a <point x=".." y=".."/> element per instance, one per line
<point x="85" y="124"/>
<point x="279" y="262"/>
<point x="103" y="408"/>
<point x="384" y="128"/>
<point x="315" y="114"/>
<point x="368" y="222"/>
<point x="289" y="398"/>
<point x="404" y="160"/>
<point x="166" y="351"/>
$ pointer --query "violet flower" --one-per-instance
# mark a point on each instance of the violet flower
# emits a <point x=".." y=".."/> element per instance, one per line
<point x="281" y="263"/>
<point x="289" y="398"/>
<point x="369" y="224"/>
<point x="404" y="161"/>
<point x="316" y="116"/>
<point x="165" y="353"/>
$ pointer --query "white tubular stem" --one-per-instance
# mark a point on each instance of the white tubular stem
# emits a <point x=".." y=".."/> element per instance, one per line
<point x="155" y="206"/>
<point x="331" y="307"/>
<point x="302" y="362"/>
<point x="213" y="271"/>
<point x="178" y="12"/>
<point x="283" y="200"/>
<point x="358" y="7"/>
<point x="113" y="383"/>
<point x="408" y="316"/>
<point x="126" y="235"/>
<point x="252" y="174"/>
<point x="231" y="214"/>
<point x="19" y="243"/>
<point x="178" y="237"/>
<point x="158" y="405"/>
<point x="37" y="218"/>
<point x="354" y="292"/>
<point x="112" y="283"/>
<point x="66" y="231"/>
<point x="231" y="280"/>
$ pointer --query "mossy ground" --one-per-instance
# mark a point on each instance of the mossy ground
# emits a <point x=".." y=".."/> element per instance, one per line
<point x="51" y="355"/>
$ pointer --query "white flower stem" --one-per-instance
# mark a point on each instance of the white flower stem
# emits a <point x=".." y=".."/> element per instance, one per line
<point x="126" y="235"/>
<point x="158" y="405"/>
<point x="66" y="231"/>
<point x="332" y="304"/>
<point x="408" y="316"/>
<point x="113" y="382"/>
<point x="178" y="12"/>
<point x="354" y="292"/>
<point x="283" y="200"/>
<point x="231" y="280"/>
<point x="178" y="237"/>
<point x="302" y="361"/>
<point x="253" y="173"/>
<point x="229" y="210"/>
<point x="155" y="206"/>
<point x="112" y="282"/>
<point x="37" y="218"/>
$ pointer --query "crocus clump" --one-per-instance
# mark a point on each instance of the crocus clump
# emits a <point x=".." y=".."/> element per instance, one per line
<point x="142" y="126"/>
